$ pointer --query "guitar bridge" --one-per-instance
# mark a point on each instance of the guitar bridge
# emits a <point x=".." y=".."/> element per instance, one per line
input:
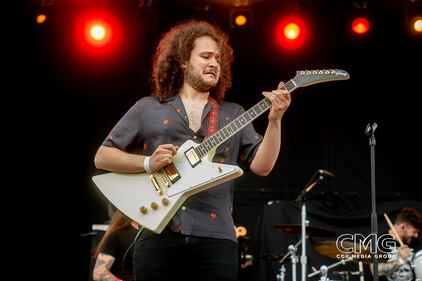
<point x="156" y="185"/>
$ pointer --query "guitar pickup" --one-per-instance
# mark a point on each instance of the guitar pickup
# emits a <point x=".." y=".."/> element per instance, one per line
<point x="192" y="157"/>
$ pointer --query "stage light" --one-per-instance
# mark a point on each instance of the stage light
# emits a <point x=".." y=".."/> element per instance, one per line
<point x="43" y="10"/>
<point x="360" y="20"/>
<point x="360" y="25"/>
<point x="41" y="18"/>
<point x="417" y="25"/>
<point x="241" y="18"/>
<point x="414" y="18"/>
<point x="291" y="32"/>
<point x="98" y="33"/>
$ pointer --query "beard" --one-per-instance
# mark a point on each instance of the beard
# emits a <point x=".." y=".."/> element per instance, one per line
<point x="194" y="78"/>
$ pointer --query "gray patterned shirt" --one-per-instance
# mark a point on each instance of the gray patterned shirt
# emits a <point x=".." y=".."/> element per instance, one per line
<point x="149" y="123"/>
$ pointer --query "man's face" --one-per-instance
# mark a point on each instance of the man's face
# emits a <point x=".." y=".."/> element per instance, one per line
<point x="203" y="68"/>
<point x="409" y="232"/>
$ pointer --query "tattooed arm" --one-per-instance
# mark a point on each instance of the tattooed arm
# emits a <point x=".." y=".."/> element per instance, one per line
<point x="102" y="268"/>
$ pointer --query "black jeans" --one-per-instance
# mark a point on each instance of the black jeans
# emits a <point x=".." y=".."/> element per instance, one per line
<point x="173" y="256"/>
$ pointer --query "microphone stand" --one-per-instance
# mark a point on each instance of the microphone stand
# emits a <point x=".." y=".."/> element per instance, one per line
<point x="304" y="222"/>
<point x="303" y="258"/>
<point x="370" y="131"/>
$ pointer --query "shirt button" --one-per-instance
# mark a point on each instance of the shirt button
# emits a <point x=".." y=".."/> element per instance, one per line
<point x="183" y="208"/>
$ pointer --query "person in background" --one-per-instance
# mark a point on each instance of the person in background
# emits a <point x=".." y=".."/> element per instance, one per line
<point x="114" y="252"/>
<point x="398" y="267"/>
<point x="190" y="75"/>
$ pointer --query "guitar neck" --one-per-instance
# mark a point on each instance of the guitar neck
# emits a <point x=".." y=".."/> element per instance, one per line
<point x="238" y="124"/>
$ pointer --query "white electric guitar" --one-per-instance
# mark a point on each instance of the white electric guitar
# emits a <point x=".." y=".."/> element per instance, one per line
<point x="153" y="199"/>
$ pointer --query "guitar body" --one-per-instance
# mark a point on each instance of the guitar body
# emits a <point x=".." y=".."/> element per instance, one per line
<point x="153" y="199"/>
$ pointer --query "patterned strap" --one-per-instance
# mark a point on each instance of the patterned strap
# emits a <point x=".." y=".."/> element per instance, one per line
<point x="212" y="125"/>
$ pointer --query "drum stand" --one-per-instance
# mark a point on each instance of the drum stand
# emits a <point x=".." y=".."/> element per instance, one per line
<point x="282" y="274"/>
<point x="293" y="258"/>
<point x="303" y="258"/>
<point x="324" y="273"/>
<point x="344" y="275"/>
<point x="324" y="269"/>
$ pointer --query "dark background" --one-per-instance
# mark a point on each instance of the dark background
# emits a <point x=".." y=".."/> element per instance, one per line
<point x="63" y="103"/>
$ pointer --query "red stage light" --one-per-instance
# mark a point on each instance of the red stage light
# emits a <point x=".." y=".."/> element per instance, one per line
<point x="360" y="25"/>
<point x="291" y="32"/>
<point x="98" y="33"/>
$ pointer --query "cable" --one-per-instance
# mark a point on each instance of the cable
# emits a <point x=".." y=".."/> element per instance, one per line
<point x="131" y="245"/>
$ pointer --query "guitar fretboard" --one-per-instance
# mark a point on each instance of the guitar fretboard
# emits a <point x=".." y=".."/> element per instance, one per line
<point x="238" y="124"/>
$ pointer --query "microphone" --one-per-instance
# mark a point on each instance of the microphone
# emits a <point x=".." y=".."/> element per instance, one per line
<point x="370" y="129"/>
<point x="316" y="178"/>
<point x="325" y="173"/>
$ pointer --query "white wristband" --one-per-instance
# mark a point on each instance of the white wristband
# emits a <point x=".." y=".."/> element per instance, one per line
<point x="146" y="165"/>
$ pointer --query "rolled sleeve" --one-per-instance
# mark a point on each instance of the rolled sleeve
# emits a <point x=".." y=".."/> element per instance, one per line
<point x="127" y="133"/>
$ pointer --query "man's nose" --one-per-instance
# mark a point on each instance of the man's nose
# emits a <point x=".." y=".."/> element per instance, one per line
<point x="214" y="62"/>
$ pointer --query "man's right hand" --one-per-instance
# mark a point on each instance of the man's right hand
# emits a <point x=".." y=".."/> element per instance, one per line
<point x="162" y="156"/>
<point x="405" y="253"/>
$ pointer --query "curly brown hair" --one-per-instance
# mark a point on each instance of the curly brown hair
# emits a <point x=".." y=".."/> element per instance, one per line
<point x="175" y="48"/>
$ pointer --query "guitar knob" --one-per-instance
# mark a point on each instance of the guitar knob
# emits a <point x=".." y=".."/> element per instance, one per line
<point x="165" y="201"/>
<point x="143" y="210"/>
<point x="154" y="206"/>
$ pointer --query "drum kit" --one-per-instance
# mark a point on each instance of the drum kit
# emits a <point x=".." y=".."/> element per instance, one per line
<point x="332" y="249"/>
<point x="328" y="248"/>
<point x="343" y="251"/>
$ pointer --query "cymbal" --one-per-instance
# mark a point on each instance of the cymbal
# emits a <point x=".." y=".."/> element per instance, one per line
<point x="271" y="257"/>
<point x="336" y="250"/>
<point x="310" y="230"/>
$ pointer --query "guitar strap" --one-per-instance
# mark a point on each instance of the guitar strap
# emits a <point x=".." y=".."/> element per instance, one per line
<point x="212" y="125"/>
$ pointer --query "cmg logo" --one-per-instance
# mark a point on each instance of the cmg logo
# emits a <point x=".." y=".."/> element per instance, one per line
<point x="365" y="247"/>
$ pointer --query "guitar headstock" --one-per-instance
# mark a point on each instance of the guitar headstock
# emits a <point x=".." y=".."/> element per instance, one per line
<point x="309" y="77"/>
